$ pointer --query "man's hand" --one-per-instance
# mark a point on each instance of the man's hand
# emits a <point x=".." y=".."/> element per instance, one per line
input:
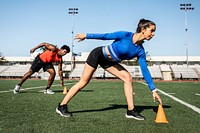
<point x="32" y="50"/>
<point x="61" y="82"/>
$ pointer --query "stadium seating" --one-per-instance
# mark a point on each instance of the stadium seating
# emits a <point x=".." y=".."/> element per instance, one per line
<point x="163" y="72"/>
<point x="155" y="72"/>
<point x="77" y="72"/>
<point x="166" y="72"/>
<point x="14" y="71"/>
<point x="183" y="72"/>
<point x="18" y="71"/>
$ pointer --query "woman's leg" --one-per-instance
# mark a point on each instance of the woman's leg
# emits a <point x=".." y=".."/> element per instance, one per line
<point x="120" y="72"/>
<point x="86" y="76"/>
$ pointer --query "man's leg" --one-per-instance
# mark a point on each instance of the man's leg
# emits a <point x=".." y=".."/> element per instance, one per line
<point x="50" y="80"/>
<point x="25" y="77"/>
<point x="35" y="67"/>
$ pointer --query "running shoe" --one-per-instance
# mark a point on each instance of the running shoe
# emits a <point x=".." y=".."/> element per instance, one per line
<point x="48" y="91"/>
<point x="134" y="114"/>
<point x="16" y="89"/>
<point x="63" y="111"/>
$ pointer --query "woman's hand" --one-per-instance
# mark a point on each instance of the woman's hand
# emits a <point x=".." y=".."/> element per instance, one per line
<point x="80" y="37"/>
<point x="157" y="97"/>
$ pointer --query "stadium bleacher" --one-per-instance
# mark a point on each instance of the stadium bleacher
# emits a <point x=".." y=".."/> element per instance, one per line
<point x="18" y="71"/>
<point x="76" y="73"/>
<point x="157" y="72"/>
<point x="162" y="68"/>
<point x="14" y="71"/>
<point x="183" y="72"/>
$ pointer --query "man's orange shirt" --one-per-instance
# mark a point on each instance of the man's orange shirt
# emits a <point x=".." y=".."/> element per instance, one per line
<point x="50" y="56"/>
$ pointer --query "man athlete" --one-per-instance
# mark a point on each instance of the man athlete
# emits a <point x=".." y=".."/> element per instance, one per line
<point x="45" y="60"/>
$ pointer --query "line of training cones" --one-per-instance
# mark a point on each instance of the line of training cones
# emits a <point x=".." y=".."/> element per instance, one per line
<point x="65" y="90"/>
<point x="160" y="117"/>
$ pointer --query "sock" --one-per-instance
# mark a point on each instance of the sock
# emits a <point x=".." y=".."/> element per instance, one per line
<point x="47" y="87"/>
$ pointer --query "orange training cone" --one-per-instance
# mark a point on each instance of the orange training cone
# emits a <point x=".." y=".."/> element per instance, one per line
<point x="160" y="117"/>
<point x="65" y="90"/>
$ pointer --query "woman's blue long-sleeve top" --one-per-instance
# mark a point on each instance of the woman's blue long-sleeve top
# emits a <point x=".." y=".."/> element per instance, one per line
<point x="123" y="48"/>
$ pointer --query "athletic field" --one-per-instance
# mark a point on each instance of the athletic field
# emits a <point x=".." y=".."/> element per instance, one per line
<point x="98" y="108"/>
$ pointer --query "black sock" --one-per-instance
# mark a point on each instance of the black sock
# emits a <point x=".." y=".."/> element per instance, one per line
<point x="19" y="84"/>
<point x="47" y="87"/>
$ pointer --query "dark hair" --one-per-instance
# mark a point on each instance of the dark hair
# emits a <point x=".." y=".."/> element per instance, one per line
<point x="143" y="23"/>
<point x="65" y="47"/>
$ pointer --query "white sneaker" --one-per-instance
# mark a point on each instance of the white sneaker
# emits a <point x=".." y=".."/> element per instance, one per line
<point x="16" y="89"/>
<point x="48" y="91"/>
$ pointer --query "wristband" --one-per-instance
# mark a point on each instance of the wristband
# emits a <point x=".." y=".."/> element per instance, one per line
<point x="154" y="90"/>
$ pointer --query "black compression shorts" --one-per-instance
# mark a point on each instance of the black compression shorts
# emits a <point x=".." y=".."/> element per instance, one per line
<point x="38" y="64"/>
<point x="96" y="58"/>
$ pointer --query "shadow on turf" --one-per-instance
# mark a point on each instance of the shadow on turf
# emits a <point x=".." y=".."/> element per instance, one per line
<point x="115" y="106"/>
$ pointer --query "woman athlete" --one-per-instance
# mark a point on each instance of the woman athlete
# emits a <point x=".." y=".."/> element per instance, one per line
<point x="126" y="46"/>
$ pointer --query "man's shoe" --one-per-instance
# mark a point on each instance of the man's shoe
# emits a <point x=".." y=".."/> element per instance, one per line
<point x="134" y="114"/>
<point x="63" y="111"/>
<point x="48" y="91"/>
<point x="16" y="89"/>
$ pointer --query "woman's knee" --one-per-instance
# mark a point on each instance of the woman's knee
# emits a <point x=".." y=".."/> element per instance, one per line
<point x="82" y="83"/>
<point x="128" y="78"/>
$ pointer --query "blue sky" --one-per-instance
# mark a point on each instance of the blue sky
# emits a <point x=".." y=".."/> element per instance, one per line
<point x="26" y="23"/>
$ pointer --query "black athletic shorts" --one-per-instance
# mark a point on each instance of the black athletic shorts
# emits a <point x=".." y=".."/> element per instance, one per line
<point x="38" y="64"/>
<point x="96" y="58"/>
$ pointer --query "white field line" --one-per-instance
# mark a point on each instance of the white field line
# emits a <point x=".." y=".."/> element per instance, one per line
<point x="197" y="94"/>
<point x="30" y="88"/>
<point x="178" y="100"/>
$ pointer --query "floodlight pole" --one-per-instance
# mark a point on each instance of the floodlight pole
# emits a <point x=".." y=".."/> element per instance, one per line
<point x="186" y="7"/>
<point x="72" y="11"/>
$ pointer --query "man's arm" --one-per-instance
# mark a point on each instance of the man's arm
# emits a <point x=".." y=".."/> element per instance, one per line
<point x="48" y="46"/>
<point x="60" y="72"/>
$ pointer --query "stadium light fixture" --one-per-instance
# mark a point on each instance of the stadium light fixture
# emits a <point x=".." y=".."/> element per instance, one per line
<point x="186" y="7"/>
<point x="72" y="11"/>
